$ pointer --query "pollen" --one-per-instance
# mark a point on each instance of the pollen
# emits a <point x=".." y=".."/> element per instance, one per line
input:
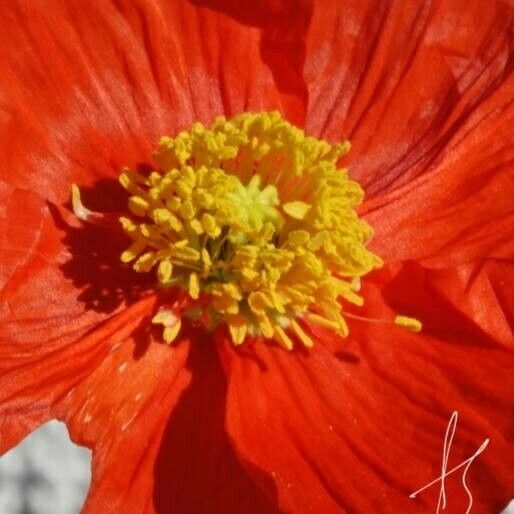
<point x="256" y="223"/>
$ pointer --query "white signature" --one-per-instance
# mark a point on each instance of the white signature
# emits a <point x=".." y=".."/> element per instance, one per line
<point x="448" y="439"/>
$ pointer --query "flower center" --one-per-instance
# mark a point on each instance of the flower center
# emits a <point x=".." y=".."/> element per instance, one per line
<point x="256" y="223"/>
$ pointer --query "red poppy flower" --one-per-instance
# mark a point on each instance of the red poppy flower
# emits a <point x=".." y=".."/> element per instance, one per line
<point x="424" y="92"/>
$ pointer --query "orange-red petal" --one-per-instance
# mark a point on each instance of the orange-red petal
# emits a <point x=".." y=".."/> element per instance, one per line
<point x="120" y="411"/>
<point x="58" y="278"/>
<point x="154" y="416"/>
<point x="468" y="302"/>
<point x="89" y="88"/>
<point x="36" y="373"/>
<point x="405" y="80"/>
<point x="358" y="425"/>
<point x="462" y="209"/>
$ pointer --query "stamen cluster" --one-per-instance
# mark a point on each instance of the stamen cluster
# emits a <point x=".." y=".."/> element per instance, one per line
<point x="256" y="220"/>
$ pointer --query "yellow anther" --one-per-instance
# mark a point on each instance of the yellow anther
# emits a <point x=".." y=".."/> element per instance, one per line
<point x="211" y="221"/>
<point x="207" y="262"/>
<point x="297" y="210"/>
<point x="304" y="338"/>
<point x="173" y="203"/>
<point x="171" y="324"/>
<point x="161" y="216"/>
<point x="298" y="237"/>
<point x="343" y="326"/>
<point x="164" y="271"/>
<point x="131" y="182"/>
<point x="124" y="180"/>
<point x="194" y="286"/>
<point x="145" y="262"/>
<point x="265" y="326"/>
<point x="356" y="284"/>
<point x="78" y="208"/>
<point x="283" y="338"/>
<point x="323" y="322"/>
<point x="133" y="251"/>
<point x="186" y="254"/>
<point x="210" y="226"/>
<point x="169" y="334"/>
<point x="151" y="233"/>
<point x="128" y="225"/>
<point x="138" y="206"/>
<point x="187" y="210"/>
<point x="278" y="301"/>
<point x="197" y="227"/>
<point x="165" y="317"/>
<point x="230" y="290"/>
<point x="412" y="324"/>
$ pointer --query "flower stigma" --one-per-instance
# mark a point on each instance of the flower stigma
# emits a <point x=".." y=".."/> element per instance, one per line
<point x="255" y="222"/>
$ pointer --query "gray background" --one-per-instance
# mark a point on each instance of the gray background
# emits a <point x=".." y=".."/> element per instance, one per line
<point x="47" y="474"/>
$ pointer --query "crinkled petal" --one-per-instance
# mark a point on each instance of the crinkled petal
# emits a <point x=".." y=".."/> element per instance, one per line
<point x="37" y="373"/>
<point x="358" y="424"/>
<point x="58" y="277"/>
<point x="154" y="415"/>
<point x="120" y="411"/>
<point x="56" y="287"/>
<point x="467" y="302"/>
<point x="460" y="211"/>
<point x="405" y="81"/>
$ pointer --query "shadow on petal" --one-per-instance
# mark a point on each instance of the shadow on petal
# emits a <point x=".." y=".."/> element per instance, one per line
<point x="436" y="298"/>
<point x="284" y="24"/>
<point x="197" y="470"/>
<point x="94" y="264"/>
<point x="347" y="357"/>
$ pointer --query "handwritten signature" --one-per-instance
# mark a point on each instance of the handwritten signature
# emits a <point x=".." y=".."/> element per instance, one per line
<point x="448" y="440"/>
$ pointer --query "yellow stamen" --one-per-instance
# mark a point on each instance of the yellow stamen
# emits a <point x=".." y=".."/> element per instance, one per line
<point x="169" y="334"/>
<point x="138" y="206"/>
<point x="323" y="322"/>
<point x="78" y="208"/>
<point x="170" y="322"/>
<point x="304" y="338"/>
<point x="133" y="251"/>
<point x="194" y="286"/>
<point x="412" y="324"/>
<point x="283" y="338"/>
<point x="297" y="210"/>
<point x="405" y="322"/>
<point x="164" y="271"/>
